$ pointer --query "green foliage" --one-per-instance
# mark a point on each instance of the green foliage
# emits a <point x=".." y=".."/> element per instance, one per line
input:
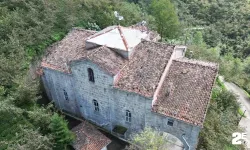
<point x="221" y="121"/>
<point x="225" y="100"/>
<point x="198" y="38"/>
<point x="120" y="129"/>
<point x="41" y="118"/>
<point x="241" y="113"/>
<point x="27" y="28"/>
<point x="62" y="135"/>
<point x="225" y="23"/>
<point x="148" y="139"/>
<point x="24" y="125"/>
<point x="28" y="139"/>
<point x="25" y="95"/>
<point x="166" y="19"/>
<point x="201" y="52"/>
<point x="220" y="84"/>
<point x="247" y="66"/>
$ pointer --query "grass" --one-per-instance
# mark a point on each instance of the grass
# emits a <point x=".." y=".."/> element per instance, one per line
<point x="231" y="147"/>
<point x="248" y="95"/>
<point x="120" y="129"/>
<point x="241" y="112"/>
<point x="220" y="83"/>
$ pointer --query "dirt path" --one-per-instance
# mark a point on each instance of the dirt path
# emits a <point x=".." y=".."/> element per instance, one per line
<point x="245" y="105"/>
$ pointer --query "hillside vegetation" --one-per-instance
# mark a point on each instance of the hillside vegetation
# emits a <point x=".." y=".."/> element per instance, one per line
<point x="215" y="30"/>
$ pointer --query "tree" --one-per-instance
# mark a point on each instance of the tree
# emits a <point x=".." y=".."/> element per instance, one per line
<point x="221" y="121"/>
<point x="198" y="39"/>
<point x="166" y="19"/>
<point x="29" y="139"/>
<point x="201" y="52"/>
<point x="62" y="135"/>
<point x="225" y="100"/>
<point x="247" y="66"/>
<point x="148" y="140"/>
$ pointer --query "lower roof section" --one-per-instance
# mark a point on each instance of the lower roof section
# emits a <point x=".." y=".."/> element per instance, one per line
<point x="89" y="138"/>
<point x="145" y="67"/>
<point x="186" y="90"/>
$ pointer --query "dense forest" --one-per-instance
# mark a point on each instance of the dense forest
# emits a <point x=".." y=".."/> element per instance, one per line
<point x="213" y="30"/>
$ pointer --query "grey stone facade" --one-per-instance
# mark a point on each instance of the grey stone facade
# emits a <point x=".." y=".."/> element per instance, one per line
<point x="123" y="79"/>
<point x="113" y="102"/>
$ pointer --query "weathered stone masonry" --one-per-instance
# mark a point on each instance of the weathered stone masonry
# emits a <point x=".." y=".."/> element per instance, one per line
<point x="72" y="92"/>
<point x="113" y="102"/>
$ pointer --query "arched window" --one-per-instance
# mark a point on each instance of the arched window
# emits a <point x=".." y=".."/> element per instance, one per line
<point x="65" y="95"/>
<point x="96" y="105"/>
<point x="91" y="75"/>
<point x="128" y="116"/>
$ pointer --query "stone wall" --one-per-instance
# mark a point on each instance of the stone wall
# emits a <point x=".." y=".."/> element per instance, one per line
<point x="113" y="102"/>
<point x="55" y="84"/>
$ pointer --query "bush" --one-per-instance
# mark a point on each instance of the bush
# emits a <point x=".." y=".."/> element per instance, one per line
<point x="221" y="121"/>
<point x="148" y="139"/>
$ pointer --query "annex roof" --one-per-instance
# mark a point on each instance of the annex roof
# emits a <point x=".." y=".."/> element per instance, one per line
<point x="89" y="138"/>
<point x="145" y="67"/>
<point x="118" y="37"/>
<point x="186" y="90"/>
<point x="71" y="47"/>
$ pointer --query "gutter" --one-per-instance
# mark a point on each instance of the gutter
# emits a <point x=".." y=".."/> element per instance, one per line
<point x="185" y="141"/>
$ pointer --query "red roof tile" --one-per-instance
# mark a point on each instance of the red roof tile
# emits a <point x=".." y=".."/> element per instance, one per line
<point x="186" y="91"/>
<point x="107" y="59"/>
<point x="145" y="67"/>
<point x="89" y="138"/>
<point x="71" y="47"/>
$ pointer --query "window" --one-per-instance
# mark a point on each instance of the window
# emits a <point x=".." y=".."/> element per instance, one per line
<point x="96" y="105"/>
<point x="65" y="95"/>
<point x="91" y="75"/>
<point x="170" y="122"/>
<point x="128" y="116"/>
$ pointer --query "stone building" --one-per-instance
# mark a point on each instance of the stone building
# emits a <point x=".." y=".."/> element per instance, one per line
<point x="122" y="77"/>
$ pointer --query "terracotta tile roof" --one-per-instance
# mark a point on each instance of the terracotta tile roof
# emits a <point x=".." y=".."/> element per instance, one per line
<point x="186" y="91"/>
<point x="145" y="67"/>
<point x="107" y="59"/>
<point x="72" y="47"/>
<point x="89" y="138"/>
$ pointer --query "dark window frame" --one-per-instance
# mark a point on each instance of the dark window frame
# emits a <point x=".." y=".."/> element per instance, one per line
<point x="170" y="122"/>
<point x="96" y="105"/>
<point x="128" y="116"/>
<point x="65" y="95"/>
<point x="91" y="75"/>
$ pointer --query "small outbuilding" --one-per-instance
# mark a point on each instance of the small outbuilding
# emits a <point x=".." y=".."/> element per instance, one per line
<point x="89" y="138"/>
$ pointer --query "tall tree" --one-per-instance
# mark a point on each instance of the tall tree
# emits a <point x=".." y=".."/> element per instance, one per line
<point x="61" y="133"/>
<point x="166" y="19"/>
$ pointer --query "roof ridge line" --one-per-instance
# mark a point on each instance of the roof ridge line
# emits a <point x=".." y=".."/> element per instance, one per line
<point x="145" y="40"/>
<point x="101" y="33"/>
<point x="82" y="29"/>
<point x="99" y="48"/>
<point x="162" y="78"/>
<point x="197" y="62"/>
<point x="122" y="36"/>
